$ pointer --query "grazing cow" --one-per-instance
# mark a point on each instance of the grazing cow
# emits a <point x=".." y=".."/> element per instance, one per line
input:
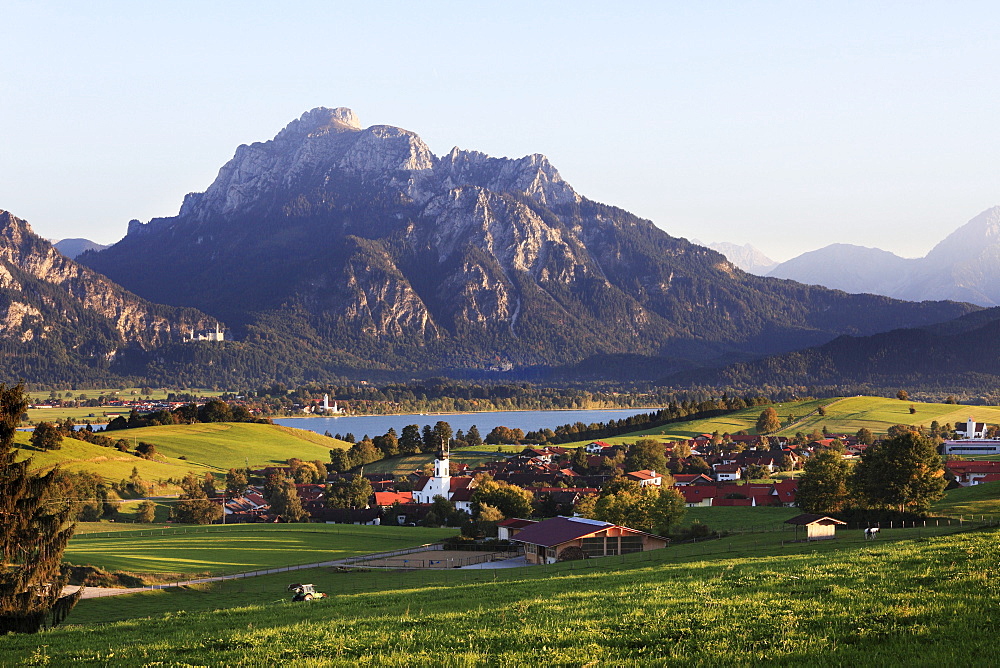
<point x="871" y="533"/>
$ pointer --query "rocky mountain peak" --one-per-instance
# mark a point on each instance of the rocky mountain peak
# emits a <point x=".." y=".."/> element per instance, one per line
<point x="970" y="240"/>
<point x="533" y="175"/>
<point x="321" y="120"/>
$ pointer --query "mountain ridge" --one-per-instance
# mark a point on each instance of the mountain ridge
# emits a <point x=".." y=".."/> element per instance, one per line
<point x="964" y="266"/>
<point x="55" y="312"/>
<point x="368" y="250"/>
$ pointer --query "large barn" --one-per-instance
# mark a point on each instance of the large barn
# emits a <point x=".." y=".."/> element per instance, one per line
<point x="545" y="541"/>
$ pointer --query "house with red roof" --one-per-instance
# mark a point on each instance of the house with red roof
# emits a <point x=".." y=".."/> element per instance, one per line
<point x="597" y="447"/>
<point x="546" y="540"/>
<point x="682" y="479"/>
<point x="968" y="473"/>
<point x="386" y="499"/>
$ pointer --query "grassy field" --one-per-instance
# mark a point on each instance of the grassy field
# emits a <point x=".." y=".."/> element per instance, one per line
<point x="233" y="444"/>
<point x="843" y="602"/>
<point x="878" y="414"/>
<point x="843" y="415"/>
<point x="976" y="500"/>
<point x="235" y="549"/>
<point x="731" y="423"/>
<point x="109" y="463"/>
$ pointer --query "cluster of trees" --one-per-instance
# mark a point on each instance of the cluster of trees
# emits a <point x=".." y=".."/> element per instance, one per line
<point x="213" y="410"/>
<point x="902" y="473"/>
<point x="652" y="509"/>
<point x="413" y="440"/>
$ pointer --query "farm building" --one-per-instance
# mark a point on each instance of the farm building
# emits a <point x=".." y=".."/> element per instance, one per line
<point x="545" y="541"/>
<point x="509" y="528"/>
<point x="818" y="527"/>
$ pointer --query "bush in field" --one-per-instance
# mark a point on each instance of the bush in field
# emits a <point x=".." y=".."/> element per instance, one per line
<point x="768" y="421"/>
<point x="46" y="436"/>
<point x="146" y="513"/>
<point x="194" y="506"/>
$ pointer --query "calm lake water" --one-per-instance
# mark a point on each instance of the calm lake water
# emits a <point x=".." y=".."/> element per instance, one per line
<point x="376" y="425"/>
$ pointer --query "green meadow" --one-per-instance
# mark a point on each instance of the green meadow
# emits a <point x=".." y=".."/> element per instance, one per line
<point x="219" y="550"/>
<point x="843" y="415"/>
<point x="878" y="414"/>
<point x="921" y="600"/>
<point x="109" y="463"/>
<point x="745" y="419"/>
<point x="227" y="445"/>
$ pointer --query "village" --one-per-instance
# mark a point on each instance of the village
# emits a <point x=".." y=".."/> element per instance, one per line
<point x="561" y="482"/>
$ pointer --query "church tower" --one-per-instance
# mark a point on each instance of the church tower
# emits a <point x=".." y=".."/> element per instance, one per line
<point x="442" y="467"/>
<point x="440" y="484"/>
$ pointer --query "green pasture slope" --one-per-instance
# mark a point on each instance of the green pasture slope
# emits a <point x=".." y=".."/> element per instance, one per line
<point x="843" y="415"/>
<point x="218" y="550"/>
<point x="227" y="445"/>
<point x="878" y="414"/>
<point x="109" y="463"/>
<point x="930" y="600"/>
<point x="731" y="423"/>
<point x="977" y="500"/>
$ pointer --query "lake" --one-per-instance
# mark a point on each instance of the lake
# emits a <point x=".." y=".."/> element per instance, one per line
<point x="376" y="425"/>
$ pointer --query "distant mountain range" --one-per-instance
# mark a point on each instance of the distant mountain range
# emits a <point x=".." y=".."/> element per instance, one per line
<point x="965" y="266"/>
<point x="62" y="321"/>
<point x="746" y="257"/>
<point x="72" y="248"/>
<point x="957" y="354"/>
<point x="335" y="248"/>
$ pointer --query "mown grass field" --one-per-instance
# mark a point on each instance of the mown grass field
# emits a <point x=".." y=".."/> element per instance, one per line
<point x="226" y="445"/>
<point x="109" y="463"/>
<point x="878" y="414"/>
<point x="218" y="550"/>
<point x="930" y="600"/>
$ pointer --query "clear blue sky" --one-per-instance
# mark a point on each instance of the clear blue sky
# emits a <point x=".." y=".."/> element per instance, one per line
<point x="789" y="125"/>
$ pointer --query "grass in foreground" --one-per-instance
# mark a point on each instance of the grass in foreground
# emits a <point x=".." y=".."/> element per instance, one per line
<point x="908" y="602"/>
<point x="239" y="548"/>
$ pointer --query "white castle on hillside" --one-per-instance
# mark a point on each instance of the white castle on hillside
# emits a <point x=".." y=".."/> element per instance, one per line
<point x="207" y="335"/>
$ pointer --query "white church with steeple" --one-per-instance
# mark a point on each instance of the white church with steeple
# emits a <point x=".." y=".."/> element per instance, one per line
<point x="440" y="483"/>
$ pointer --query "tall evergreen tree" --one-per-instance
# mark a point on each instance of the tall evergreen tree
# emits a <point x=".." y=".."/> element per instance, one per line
<point x="33" y="535"/>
